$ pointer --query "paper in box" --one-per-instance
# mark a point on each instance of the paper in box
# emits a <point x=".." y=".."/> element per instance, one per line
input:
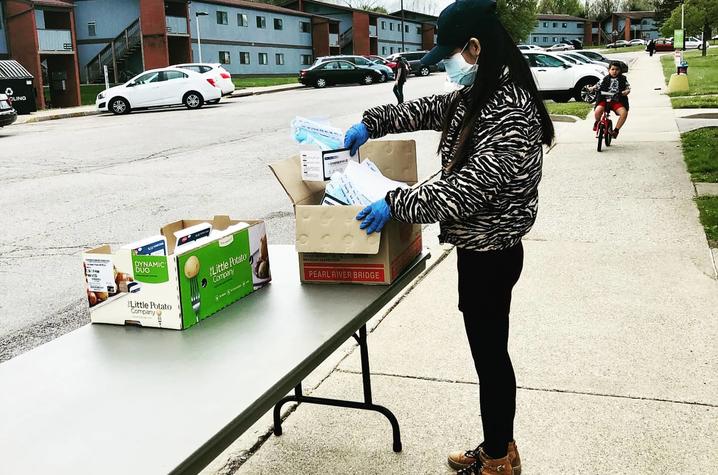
<point x="331" y="247"/>
<point x="184" y="287"/>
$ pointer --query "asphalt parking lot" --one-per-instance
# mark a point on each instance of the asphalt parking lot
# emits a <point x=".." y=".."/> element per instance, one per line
<point x="71" y="184"/>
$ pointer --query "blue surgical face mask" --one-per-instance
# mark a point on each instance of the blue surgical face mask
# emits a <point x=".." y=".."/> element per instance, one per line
<point x="459" y="71"/>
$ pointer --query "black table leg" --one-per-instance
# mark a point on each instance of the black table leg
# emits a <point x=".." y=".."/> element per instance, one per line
<point x="361" y="338"/>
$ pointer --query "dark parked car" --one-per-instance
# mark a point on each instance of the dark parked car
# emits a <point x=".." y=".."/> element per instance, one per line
<point x="7" y="112"/>
<point x="338" y="72"/>
<point x="414" y="58"/>
<point x="575" y="43"/>
<point x="593" y="56"/>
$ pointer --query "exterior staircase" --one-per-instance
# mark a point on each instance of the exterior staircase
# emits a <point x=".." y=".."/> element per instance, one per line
<point x="345" y="39"/>
<point x="114" y="56"/>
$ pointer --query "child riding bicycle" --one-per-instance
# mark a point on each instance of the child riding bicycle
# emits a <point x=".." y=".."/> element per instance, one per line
<point x="616" y="83"/>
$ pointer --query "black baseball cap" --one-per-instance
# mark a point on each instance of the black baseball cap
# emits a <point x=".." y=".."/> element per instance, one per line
<point x="456" y="25"/>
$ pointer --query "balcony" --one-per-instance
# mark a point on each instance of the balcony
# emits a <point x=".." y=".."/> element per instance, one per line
<point x="176" y="25"/>
<point x="59" y="41"/>
<point x="372" y="31"/>
<point x="333" y="39"/>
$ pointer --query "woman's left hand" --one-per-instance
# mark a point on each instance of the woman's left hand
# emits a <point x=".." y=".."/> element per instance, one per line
<point x="375" y="216"/>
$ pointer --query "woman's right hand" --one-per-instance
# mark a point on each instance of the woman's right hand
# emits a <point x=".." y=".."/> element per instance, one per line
<point x="356" y="136"/>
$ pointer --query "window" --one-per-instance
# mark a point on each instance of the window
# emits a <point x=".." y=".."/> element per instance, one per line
<point x="278" y="25"/>
<point x="243" y="57"/>
<point x="418" y="30"/>
<point x="224" y="57"/>
<point x="383" y="25"/>
<point x="579" y="24"/>
<point x="535" y="39"/>
<point x="279" y="58"/>
<point x="391" y="27"/>
<point x="148" y="78"/>
<point x="92" y="29"/>
<point x="306" y="59"/>
<point x="555" y="40"/>
<point x="555" y="24"/>
<point x="263" y="58"/>
<point x="545" y="39"/>
<point x="545" y="24"/>
<point x="361" y="61"/>
<point x="391" y="50"/>
<point x="304" y="27"/>
<point x="170" y="75"/>
<point x="261" y="22"/>
<point x="345" y="65"/>
<point x="547" y="61"/>
<point x="222" y="18"/>
<point x="242" y="19"/>
<point x="564" y="25"/>
<point x="406" y="28"/>
<point x="383" y="50"/>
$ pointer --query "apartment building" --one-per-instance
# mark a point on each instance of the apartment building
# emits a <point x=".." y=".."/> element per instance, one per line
<point x="552" y="29"/>
<point x="364" y="32"/>
<point x="631" y="25"/>
<point x="40" y="34"/>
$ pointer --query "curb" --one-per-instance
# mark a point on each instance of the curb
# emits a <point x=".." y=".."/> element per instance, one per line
<point x="68" y="115"/>
<point x="43" y="118"/>
<point x="564" y="118"/>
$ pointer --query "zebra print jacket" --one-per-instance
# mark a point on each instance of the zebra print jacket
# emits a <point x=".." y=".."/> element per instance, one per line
<point x="489" y="203"/>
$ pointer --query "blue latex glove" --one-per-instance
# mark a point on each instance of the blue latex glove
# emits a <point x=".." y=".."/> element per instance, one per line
<point x="356" y="136"/>
<point x="375" y="216"/>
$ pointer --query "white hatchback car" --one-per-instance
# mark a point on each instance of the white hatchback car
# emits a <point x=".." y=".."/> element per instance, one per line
<point x="213" y="70"/>
<point x="159" y="87"/>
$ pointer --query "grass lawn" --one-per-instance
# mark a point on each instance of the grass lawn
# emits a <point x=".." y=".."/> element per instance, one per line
<point x="702" y="72"/>
<point x="697" y="102"/>
<point x="579" y="109"/>
<point x="708" y="208"/>
<point x="700" y="150"/>
<point x="89" y="92"/>
<point x="242" y="82"/>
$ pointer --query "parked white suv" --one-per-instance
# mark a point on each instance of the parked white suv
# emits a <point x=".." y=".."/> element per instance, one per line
<point x="159" y="87"/>
<point x="216" y="71"/>
<point x="560" y="80"/>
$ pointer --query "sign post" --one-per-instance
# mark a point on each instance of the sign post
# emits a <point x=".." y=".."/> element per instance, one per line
<point x="107" y="77"/>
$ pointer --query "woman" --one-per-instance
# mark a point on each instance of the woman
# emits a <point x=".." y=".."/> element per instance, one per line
<point x="402" y="73"/>
<point x="486" y="199"/>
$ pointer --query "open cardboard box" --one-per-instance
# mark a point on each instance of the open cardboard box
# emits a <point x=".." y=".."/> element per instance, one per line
<point x="331" y="247"/>
<point x="177" y="291"/>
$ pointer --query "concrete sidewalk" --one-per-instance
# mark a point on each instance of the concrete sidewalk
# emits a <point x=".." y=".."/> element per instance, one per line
<point x="82" y="111"/>
<point x="613" y="333"/>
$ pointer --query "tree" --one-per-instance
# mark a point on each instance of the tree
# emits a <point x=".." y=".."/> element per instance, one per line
<point x="561" y="7"/>
<point x="367" y="5"/>
<point x="700" y="17"/>
<point x="518" y="16"/>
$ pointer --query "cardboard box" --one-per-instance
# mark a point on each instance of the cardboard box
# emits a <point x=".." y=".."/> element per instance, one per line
<point x="177" y="290"/>
<point x="331" y="247"/>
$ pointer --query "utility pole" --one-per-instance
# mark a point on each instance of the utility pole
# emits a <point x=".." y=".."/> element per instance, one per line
<point x="402" y="26"/>
<point x="683" y="18"/>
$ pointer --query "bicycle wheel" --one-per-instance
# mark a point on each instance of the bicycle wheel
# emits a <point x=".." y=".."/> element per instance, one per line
<point x="600" y="137"/>
<point x="609" y="134"/>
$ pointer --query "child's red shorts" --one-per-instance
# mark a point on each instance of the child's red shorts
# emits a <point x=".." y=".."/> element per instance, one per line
<point x="615" y="105"/>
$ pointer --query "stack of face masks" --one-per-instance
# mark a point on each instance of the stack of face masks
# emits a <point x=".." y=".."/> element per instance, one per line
<point x="360" y="185"/>
<point x="312" y="132"/>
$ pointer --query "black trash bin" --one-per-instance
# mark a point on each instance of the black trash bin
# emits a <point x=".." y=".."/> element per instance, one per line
<point x="17" y="83"/>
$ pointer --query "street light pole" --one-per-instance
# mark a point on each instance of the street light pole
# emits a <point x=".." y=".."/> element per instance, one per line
<point x="683" y="17"/>
<point x="402" y="26"/>
<point x="199" y="39"/>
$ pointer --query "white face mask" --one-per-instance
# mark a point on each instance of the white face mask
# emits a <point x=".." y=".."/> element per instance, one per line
<point x="459" y="71"/>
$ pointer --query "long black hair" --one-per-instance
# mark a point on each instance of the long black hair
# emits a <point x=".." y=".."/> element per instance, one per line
<point x="498" y="51"/>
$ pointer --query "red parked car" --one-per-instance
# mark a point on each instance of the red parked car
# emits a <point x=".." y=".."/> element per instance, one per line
<point x="392" y="64"/>
<point x="664" y="44"/>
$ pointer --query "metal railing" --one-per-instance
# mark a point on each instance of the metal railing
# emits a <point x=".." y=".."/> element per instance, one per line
<point x="346" y="37"/>
<point x="54" y="40"/>
<point x="176" y="25"/>
<point x="114" y="54"/>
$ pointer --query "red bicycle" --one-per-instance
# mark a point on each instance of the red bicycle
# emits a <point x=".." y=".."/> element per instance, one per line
<point x="604" y="132"/>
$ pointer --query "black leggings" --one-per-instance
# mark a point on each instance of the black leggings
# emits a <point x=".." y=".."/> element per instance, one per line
<point x="399" y="91"/>
<point x="485" y="282"/>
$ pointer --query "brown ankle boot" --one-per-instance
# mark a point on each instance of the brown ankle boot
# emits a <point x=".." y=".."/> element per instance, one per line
<point x="485" y="465"/>
<point x="460" y="460"/>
